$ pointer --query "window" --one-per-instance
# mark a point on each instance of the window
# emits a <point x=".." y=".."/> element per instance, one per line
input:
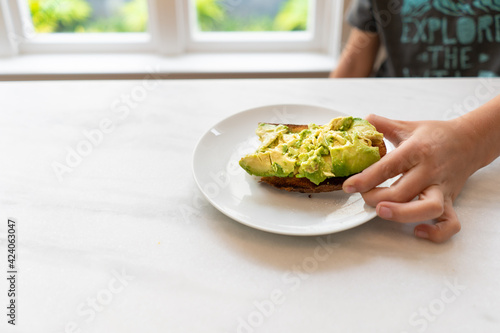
<point x="237" y="25"/>
<point x="170" y="27"/>
<point x="59" y="26"/>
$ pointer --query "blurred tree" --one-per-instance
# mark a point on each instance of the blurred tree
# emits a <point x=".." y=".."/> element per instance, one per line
<point x="76" y="16"/>
<point x="135" y="14"/>
<point x="59" y="16"/>
<point x="210" y="14"/>
<point x="292" y="16"/>
<point x="131" y="17"/>
<point x="213" y="16"/>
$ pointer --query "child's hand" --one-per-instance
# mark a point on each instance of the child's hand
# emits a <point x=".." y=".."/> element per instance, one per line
<point x="435" y="159"/>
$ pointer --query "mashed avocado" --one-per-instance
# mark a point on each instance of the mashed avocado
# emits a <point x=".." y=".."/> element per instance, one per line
<point x="340" y="148"/>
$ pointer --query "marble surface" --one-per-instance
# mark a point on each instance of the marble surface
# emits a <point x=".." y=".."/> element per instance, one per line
<point x="114" y="235"/>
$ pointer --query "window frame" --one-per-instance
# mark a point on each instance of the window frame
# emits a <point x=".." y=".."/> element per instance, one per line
<point x="170" y="33"/>
<point x="27" y="42"/>
<point x="322" y="14"/>
<point x="8" y="45"/>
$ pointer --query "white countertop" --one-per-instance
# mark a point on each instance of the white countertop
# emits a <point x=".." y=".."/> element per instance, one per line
<point x="125" y="242"/>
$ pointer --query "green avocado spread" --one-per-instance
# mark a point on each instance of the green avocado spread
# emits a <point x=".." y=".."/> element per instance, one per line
<point x="340" y="148"/>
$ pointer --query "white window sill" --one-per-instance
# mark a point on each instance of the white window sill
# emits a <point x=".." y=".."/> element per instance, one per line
<point x="133" y="66"/>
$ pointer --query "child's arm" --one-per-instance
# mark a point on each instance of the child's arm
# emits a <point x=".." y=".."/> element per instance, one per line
<point x="358" y="56"/>
<point x="436" y="158"/>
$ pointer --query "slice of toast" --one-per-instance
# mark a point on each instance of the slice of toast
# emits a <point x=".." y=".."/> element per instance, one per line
<point x="304" y="185"/>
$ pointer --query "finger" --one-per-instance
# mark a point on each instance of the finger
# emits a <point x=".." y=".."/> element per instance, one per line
<point x="390" y="166"/>
<point x="393" y="130"/>
<point x="430" y="205"/>
<point x="446" y="226"/>
<point x="405" y="189"/>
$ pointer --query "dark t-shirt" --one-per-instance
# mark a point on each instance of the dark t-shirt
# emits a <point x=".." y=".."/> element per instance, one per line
<point x="433" y="38"/>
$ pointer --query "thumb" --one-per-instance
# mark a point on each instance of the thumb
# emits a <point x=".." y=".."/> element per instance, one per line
<point x="394" y="130"/>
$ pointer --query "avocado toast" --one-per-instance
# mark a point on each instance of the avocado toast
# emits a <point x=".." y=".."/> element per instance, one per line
<point x="312" y="158"/>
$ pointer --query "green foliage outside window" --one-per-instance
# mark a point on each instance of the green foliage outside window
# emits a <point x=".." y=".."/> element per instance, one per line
<point x="59" y="16"/>
<point x="292" y="16"/>
<point x="131" y="17"/>
<point x="76" y="16"/>
<point x="213" y="15"/>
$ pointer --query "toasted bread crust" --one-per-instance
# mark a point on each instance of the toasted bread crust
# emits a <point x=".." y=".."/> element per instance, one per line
<point x="304" y="185"/>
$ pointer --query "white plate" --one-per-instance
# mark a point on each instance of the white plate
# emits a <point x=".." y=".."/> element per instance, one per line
<point x="243" y="198"/>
